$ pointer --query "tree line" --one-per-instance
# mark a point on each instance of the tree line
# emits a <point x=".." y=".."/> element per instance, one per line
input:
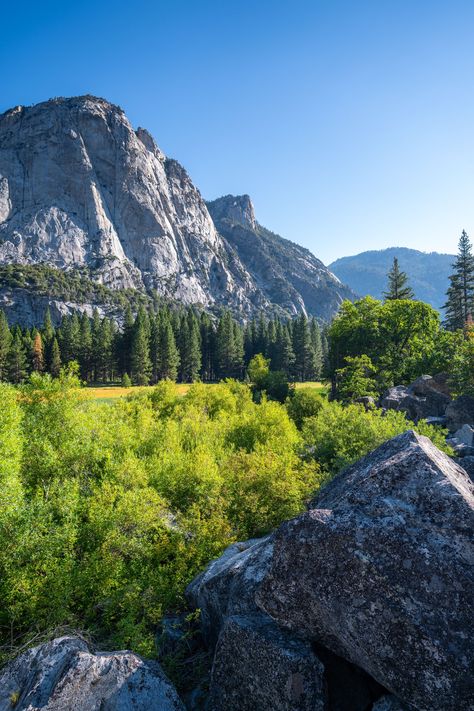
<point x="182" y="344"/>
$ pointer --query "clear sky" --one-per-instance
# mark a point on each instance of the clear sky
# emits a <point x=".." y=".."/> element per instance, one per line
<point x="350" y="124"/>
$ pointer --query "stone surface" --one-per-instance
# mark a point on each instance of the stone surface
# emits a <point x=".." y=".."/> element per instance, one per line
<point x="80" y="189"/>
<point x="431" y="403"/>
<point x="460" y="412"/>
<point x="465" y="435"/>
<point x="289" y="275"/>
<point x="380" y="571"/>
<point x="228" y="585"/>
<point x="258" y="667"/>
<point x="467" y="463"/>
<point x="390" y="703"/>
<point x="64" y="674"/>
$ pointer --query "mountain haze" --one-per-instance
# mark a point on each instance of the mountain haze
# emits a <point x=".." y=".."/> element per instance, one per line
<point x="428" y="272"/>
<point x="82" y="191"/>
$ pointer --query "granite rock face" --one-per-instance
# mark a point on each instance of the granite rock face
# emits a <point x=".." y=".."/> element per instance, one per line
<point x="258" y="667"/>
<point x="64" y="674"/>
<point x="380" y="571"/>
<point x="227" y="587"/>
<point x="80" y="188"/>
<point x="288" y="275"/>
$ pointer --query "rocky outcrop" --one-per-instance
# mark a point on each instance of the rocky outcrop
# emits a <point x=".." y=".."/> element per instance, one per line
<point x="287" y="274"/>
<point x="378" y="572"/>
<point x="227" y="587"/>
<point x="425" y="397"/>
<point x="65" y="674"/>
<point x="460" y="412"/>
<point x="80" y="189"/>
<point x="259" y="667"/>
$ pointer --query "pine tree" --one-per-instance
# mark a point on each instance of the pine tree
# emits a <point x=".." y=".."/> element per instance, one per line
<point x="5" y="342"/>
<point x="305" y="359"/>
<point x="37" y="355"/>
<point x="207" y="339"/>
<point x="55" y="365"/>
<point x="316" y="342"/>
<point x="190" y="349"/>
<point x="225" y="346"/>
<point x="169" y="355"/>
<point x="47" y="334"/>
<point x="17" y="364"/>
<point x="460" y="304"/>
<point x="95" y="351"/>
<point x="141" y="364"/>
<point x="125" y="356"/>
<point x="398" y="287"/>
<point x="284" y="357"/>
<point x="85" y="347"/>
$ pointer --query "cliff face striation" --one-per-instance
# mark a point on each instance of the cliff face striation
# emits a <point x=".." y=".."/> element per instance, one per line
<point x="288" y="275"/>
<point x="80" y="189"/>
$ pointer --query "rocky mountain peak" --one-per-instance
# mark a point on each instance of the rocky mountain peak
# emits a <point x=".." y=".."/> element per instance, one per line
<point x="237" y="209"/>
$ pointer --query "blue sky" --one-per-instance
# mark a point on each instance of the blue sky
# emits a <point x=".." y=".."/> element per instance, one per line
<point x="350" y="124"/>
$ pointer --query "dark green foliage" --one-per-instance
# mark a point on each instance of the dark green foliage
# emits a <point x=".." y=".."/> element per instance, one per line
<point x="460" y="304"/>
<point x="398" y="287"/>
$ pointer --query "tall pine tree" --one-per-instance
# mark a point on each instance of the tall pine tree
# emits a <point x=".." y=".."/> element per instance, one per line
<point x="398" y="287"/>
<point x="460" y="304"/>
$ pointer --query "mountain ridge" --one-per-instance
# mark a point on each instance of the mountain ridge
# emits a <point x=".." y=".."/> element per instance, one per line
<point x="428" y="272"/>
<point x="81" y="189"/>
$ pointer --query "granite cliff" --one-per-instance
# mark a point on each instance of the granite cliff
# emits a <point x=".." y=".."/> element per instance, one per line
<point x="80" y="189"/>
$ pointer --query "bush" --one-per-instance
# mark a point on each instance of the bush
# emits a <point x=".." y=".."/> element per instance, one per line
<point x="339" y="435"/>
<point x="304" y="403"/>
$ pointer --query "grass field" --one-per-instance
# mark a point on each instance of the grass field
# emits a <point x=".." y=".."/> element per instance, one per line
<point x="108" y="393"/>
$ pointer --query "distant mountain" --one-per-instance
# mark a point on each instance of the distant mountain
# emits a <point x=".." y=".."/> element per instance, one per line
<point x="84" y="194"/>
<point x="288" y="275"/>
<point x="428" y="272"/>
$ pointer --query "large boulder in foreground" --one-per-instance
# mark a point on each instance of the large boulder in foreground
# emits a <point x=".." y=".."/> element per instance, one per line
<point x="227" y="586"/>
<point x="380" y="571"/>
<point x="258" y="667"/>
<point x="64" y="674"/>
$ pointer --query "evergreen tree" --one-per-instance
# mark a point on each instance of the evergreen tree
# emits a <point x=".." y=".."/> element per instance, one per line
<point x="96" y="356"/>
<point x="141" y="363"/>
<point x="225" y="346"/>
<point x="47" y="334"/>
<point x="316" y="342"/>
<point x="398" y="287"/>
<point x="155" y="347"/>
<point x="284" y="356"/>
<point x="190" y="349"/>
<point x="85" y="348"/>
<point x="305" y="359"/>
<point x="37" y="355"/>
<point x="460" y="304"/>
<point x="125" y="356"/>
<point x="55" y="365"/>
<point x="169" y="355"/>
<point x="5" y="342"/>
<point x="17" y="363"/>
<point x="207" y="339"/>
<point x="238" y="362"/>
<point x="105" y="363"/>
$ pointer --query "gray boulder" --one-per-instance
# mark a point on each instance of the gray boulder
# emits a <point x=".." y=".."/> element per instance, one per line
<point x="465" y="435"/>
<point x="65" y="674"/>
<point x="427" y="384"/>
<point x="227" y="586"/>
<point x="467" y="464"/>
<point x="418" y="401"/>
<point x="380" y="571"/>
<point x="258" y="667"/>
<point x="460" y="412"/>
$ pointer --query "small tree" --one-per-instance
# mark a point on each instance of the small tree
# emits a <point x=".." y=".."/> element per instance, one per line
<point x="55" y="366"/>
<point x="356" y="379"/>
<point x="398" y="287"/>
<point x="37" y="354"/>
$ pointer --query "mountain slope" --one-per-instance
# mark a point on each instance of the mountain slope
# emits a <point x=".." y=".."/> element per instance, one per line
<point x="428" y="273"/>
<point x="287" y="274"/>
<point x="82" y="191"/>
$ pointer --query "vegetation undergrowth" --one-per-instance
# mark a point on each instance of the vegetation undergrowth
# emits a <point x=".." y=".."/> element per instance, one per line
<point x="107" y="511"/>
